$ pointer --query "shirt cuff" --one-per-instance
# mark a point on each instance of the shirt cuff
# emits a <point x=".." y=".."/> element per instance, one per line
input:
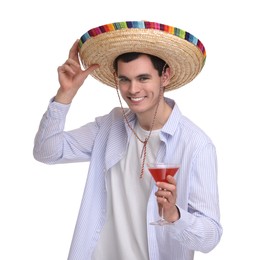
<point x="57" y="110"/>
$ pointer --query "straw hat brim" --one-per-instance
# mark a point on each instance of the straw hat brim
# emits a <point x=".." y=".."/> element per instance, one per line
<point x="183" y="52"/>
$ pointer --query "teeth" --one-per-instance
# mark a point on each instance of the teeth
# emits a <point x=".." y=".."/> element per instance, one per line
<point x="137" y="98"/>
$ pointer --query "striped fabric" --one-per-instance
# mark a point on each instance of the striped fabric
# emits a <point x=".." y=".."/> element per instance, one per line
<point x="104" y="143"/>
<point x="143" y="25"/>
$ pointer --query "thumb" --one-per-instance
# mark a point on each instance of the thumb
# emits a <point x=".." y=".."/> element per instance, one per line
<point x="90" y="69"/>
<point x="84" y="74"/>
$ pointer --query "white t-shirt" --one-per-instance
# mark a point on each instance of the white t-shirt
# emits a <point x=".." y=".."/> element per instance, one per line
<point x="124" y="235"/>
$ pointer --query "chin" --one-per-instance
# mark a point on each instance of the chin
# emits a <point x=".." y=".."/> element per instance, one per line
<point x="137" y="110"/>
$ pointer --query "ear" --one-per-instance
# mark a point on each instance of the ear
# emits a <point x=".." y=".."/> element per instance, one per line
<point x="166" y="77"/>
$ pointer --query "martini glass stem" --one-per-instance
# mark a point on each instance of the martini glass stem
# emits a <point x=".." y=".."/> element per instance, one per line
<point x="162" y="213"/>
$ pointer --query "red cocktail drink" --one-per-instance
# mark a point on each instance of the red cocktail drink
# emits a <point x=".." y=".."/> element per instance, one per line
<point x="160" y="174"/>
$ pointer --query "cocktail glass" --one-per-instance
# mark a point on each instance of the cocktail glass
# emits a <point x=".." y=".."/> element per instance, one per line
<point x="159" y="172"/>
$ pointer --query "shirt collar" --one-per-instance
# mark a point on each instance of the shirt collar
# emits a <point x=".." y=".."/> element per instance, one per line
<point x="174" y="118"/>
<point x="170" y="125"/>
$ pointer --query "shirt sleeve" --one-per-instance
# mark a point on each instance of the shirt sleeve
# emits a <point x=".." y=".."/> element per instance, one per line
<point x="199" y="228"/>
<point x="53" y="145"/>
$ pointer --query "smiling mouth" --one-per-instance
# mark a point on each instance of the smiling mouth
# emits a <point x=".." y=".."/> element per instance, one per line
<point x="136" y="99"/>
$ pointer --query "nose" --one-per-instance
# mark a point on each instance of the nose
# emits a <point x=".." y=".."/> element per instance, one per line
<point x="133" y="87"/>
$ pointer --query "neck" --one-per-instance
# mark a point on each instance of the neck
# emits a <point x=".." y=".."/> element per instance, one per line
<point x="163" y="113"/>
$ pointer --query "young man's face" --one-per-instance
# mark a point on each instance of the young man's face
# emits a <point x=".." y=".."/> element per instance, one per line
<point x="139" y="84"/>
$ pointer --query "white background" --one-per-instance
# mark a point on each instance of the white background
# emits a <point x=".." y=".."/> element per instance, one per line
<point x="39" y="203"/>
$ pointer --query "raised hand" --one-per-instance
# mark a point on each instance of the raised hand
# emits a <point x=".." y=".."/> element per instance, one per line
<point x="71" y="76"/>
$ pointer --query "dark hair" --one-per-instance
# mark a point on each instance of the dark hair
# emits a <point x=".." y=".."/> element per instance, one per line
<point x="157" y="63"/>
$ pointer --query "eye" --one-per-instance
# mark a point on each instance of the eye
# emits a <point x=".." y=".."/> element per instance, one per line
<point x="143" y="78"/>
<point x="122" y="80"/>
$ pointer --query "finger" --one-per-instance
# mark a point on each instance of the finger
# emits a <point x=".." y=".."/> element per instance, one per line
<point x="166" y="186"/>
<point x="73" y="53"/>
<point x="65" y="68"/>
<point x="169" y="197"/>
<point x="74" y="64"/>
<point x="70" y="66"/>
<point x="84" y="74"/>
<point x="162" y="200"/>
<point x="171" y="179"/>
<point x="164" y="194"/>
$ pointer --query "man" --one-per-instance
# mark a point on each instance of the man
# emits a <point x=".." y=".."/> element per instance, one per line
<point x="141" y="60"/>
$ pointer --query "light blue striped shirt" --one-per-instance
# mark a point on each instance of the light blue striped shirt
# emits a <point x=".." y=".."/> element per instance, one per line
<point x="104" y="143"/>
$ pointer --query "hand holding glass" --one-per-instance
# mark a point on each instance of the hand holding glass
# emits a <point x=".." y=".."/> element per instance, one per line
<point x="159" y="172"/>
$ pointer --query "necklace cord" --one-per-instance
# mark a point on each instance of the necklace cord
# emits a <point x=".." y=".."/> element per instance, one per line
<point x="144" y="142"/>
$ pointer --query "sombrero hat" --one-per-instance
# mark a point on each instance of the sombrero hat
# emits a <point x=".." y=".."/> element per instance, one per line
<point x="183" y="52"/>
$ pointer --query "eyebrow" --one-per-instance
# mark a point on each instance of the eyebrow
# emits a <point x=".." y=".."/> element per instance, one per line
<point x="138" y="76"/>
